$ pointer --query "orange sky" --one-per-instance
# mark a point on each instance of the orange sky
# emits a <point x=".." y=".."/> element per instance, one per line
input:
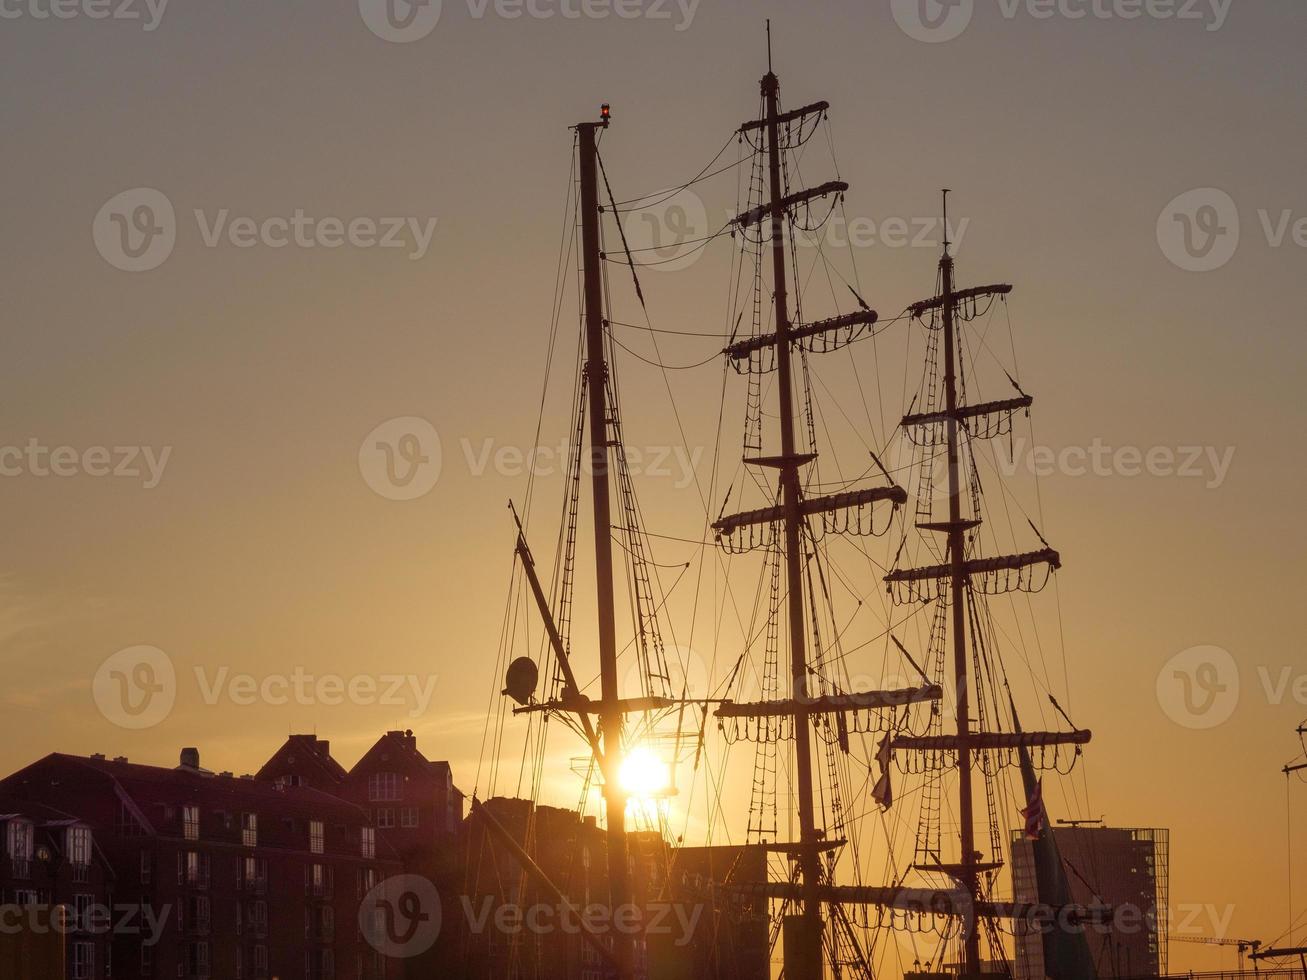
<point x="248" y="541"/>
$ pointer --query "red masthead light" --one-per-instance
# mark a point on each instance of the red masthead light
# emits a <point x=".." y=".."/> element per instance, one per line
<point x="605" y="113"/>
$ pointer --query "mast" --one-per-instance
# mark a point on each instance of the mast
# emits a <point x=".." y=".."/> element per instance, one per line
<point x="969" y="875"/>
<point x="788" y="518"/>
<point x="995" y="574"/>
<point x="789" y="463"/>
<point x="596" y="373"/>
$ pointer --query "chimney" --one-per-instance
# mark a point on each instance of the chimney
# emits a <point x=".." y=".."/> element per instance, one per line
<point x="97" y="756"/>
<point x="190" y="758"/>
<point x="120" y="758"/>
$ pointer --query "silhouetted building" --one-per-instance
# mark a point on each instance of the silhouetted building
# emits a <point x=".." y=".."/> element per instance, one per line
<point x="412" y="802"/>
<point x="1127" y="869"/>
<point x="736" y="940"/>
<point x="693" y="927"/>
<point x="304" y="760"/>
<point x="56" y="894"/>
<point x="233" y="878"/>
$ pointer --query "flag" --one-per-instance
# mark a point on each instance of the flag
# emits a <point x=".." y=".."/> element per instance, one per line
<point x="882" y="792"/>
<point x="1035" y="814"/>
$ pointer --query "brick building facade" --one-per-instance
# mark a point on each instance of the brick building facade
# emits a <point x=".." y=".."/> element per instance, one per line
<point x="234" y="878"/>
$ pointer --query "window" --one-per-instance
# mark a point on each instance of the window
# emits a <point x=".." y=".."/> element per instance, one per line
<point x="318" y="880"/>
<point x="197" y="959"/>
<point x="367" y="881"/>
<point x="82" y="912"/>
<point x="79" y="846"/>
<point x="19" y="839"/>
<point x="191" y="822"/>
<point x="315" y="836"/>
<point x="83" y="961"/>
<point x="254" y="873"/>
<point x="384" y="787"/>
<point x="147" y="867"/>
<point x="369" y="845"/>
<point x="408" y="817"/>
<point x="193" y="869"/>
<point x="385" y="818"/>
<point x="127" y="824"/>
<point x="147" y="959"/>
<point x="260" y="961"/>
<point x="19" y="844"/>
<point x="250" y="829"/>
<point x="195" y="913"/>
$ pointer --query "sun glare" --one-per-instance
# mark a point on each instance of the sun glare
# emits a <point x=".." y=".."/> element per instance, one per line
<point x="643" y="775"/>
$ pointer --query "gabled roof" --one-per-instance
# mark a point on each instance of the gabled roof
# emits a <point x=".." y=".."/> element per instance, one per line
<point x="395" y="750"/>
<point x="305" y="749"/>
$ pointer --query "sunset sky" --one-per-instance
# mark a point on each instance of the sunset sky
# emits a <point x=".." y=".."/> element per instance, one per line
<point x="231" y="523"/>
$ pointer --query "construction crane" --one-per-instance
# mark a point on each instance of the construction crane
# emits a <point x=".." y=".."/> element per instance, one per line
<point x="1245" y="946"/>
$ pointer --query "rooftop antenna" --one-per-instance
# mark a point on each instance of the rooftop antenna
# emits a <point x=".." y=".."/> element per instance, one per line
<point x="769" y="45"/>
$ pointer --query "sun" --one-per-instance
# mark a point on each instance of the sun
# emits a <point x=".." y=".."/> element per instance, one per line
<point x="643" y="776"/>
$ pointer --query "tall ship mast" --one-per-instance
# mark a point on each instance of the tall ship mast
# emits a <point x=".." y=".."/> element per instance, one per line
<point x="785" y="529"/>
<point x="959" y="589"/>
<point x="831" y="731"/>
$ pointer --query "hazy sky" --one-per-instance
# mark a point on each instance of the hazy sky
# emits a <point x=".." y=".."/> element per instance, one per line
<point x="244" y="371"/>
